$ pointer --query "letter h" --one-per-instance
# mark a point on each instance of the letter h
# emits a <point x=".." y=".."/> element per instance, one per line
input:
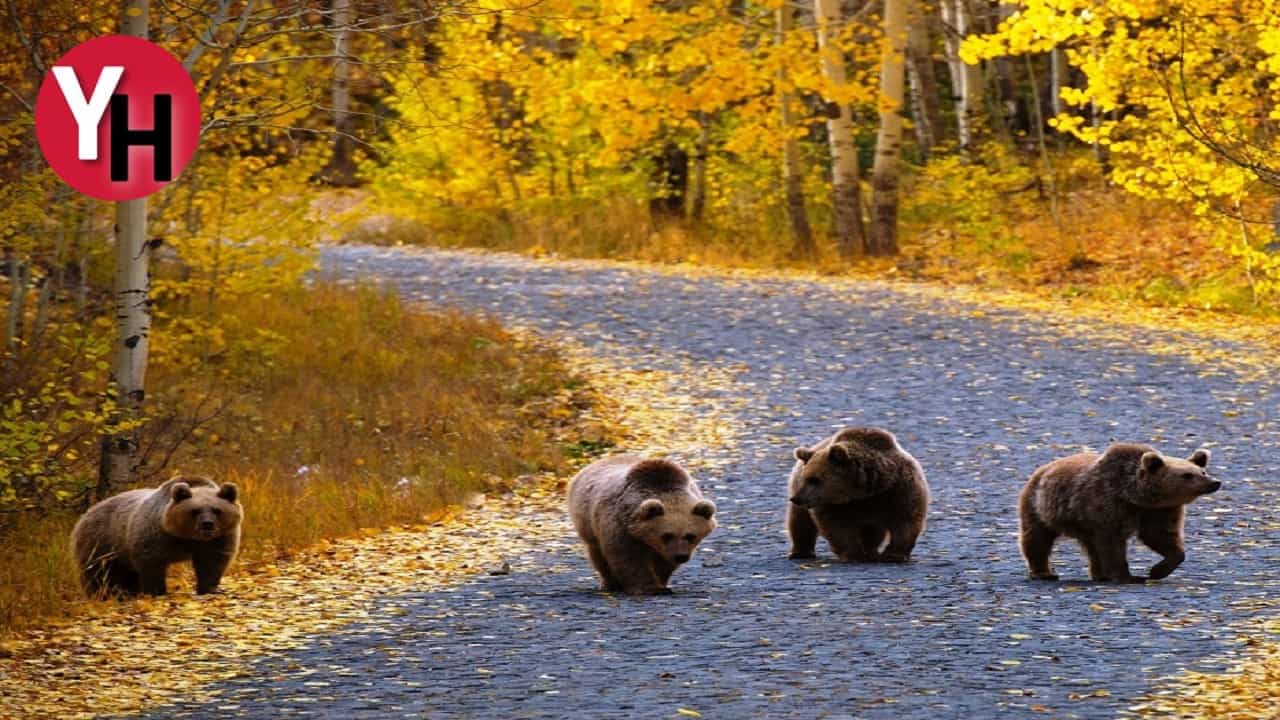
<point x="160" y="137"/>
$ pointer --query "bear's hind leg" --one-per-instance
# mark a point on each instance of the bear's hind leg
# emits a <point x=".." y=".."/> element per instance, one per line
<point x="803" y="532"/>
<point x="1113" y="555"/>
<point x="152" y="581"/>
<point x="608" y="582"/>
<point x="1162" y="531"/>
<point x="1037" y="541"/>
<point x="873" y="537"/>
<point x="902" y="540"/>
<point x="122" y="580"/>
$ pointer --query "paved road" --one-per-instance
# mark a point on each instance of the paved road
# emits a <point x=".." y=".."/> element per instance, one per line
<point x="980" y="399"/>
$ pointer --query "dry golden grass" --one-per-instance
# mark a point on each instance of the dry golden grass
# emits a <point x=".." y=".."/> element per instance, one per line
<point x="340" y="410"/>
<point x="987" y="225"/>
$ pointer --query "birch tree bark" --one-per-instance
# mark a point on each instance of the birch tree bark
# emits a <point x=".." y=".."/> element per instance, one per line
<point x="341" y="169"/>
<point x="884" y="178"/>
<point x="846" y="194"/>
<point x="133" y="317"/>
<point x="966" y="79"/>
<point x="1057" y="69"/>
<point x="792" y="171"/>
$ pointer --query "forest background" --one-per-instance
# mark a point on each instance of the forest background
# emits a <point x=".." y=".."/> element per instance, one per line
<point x="1119" y="154"/>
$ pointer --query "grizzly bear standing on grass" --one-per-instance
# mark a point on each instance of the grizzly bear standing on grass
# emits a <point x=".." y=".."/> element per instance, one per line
<point x="640" y="520"/>
<point x="857" y="488"/>
<point x="1102" y="500"/>
<point x="126" y="543"/>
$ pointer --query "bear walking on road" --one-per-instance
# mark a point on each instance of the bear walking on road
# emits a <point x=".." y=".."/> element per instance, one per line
<point x="639" y="519"/>
<point x="1103" y="500"/>
<point x="857" y="488"/>
<point x="126" y="543"/>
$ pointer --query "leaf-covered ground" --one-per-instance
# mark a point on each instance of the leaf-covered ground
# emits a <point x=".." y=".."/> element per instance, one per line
<point x="730" y="372"/>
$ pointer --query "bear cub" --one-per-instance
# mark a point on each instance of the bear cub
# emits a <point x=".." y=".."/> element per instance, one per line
<point x="640" y="519"/>
<point x="858" y="489"/>
<point x="126" y="543"/>
<point x="1103" y="500"/>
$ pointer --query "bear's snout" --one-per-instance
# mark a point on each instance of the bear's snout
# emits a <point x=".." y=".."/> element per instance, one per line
<point x="1213" y="487"/>
<point x="680" y="558"/>
<point x="797" y="500"/>
<point x="206" y="527"/>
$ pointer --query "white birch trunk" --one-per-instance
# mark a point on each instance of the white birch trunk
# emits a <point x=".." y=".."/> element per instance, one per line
<point x="884" y="182"/>
<point x="966" y="80"/>
<point x="132" y="313"/>
<point x="1057" y="70"/>
<point x="846" y="193"/>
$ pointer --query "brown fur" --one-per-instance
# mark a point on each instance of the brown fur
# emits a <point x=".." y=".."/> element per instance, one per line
<point x="126" y="543"/>
<point x="639" y="519"/>
<point x="860" y="490"/>
<point x="1103" y="500"/>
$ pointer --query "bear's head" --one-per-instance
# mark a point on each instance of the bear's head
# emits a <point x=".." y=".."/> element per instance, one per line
<point x="1166" y="482"/>
<point x="673" y="525"/>
<point x="838" y="474"/>
<point x="200" y="509"/>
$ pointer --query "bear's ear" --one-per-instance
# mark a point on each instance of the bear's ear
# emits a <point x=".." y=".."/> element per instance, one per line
<point x="650" y="509"/>
<point x="180" y="491"/>
<point x="704" y="508"/>
<point x="803" y="454"/>
<point x="1152" y="461"/>
<point x="229" y="492"/>
<point x="838" y="454"/>
<point x="1200" y="457"/>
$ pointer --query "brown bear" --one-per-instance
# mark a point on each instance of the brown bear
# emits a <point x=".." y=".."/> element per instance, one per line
<point x="640" y="520"/>
<point x="1103" y="500"/>
<point x="857" y="488"/>
<point x="125" y="544"/>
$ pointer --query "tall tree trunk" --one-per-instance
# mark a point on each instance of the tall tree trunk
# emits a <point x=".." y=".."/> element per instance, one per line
<point x="670" y="184"/>
<point x="698" y="202"/>
<point x="923" y="80"/>
<point x="1057" y="69"/>
<point x="341" y="169"/>
<point x="846" y="193"/>
<point x="1037" y="119"/>
<point x="884" y="177"/>
<point x="133" y="317"/>
<point x="19" y="275"/>
<point x="802" y="245"/>
<point x="966" y="79"/>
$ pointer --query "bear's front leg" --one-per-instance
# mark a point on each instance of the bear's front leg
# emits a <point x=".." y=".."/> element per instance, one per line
<point x="803" y="532"/>
<point x="1162" y="532"/>
<point x="845" y="539"/>
<point x="632" y="567"/>
<point x="209" y="565"/>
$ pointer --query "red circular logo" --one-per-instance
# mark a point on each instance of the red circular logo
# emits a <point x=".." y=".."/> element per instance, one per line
<point x="117" y="117"/>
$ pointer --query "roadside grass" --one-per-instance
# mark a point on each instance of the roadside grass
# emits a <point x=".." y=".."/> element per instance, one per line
<point x="337" y="410"/>
<point x="989" y="225"/>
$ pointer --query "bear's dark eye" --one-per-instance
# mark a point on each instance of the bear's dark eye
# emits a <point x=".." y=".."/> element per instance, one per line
<point x="1186" y="476"/>
<point x="814" y="480"/>
<point x="217" y="511"/>
<point x="690" y="537"/>
<point x="668" y="537"/>
<point x="195" y="513"/>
